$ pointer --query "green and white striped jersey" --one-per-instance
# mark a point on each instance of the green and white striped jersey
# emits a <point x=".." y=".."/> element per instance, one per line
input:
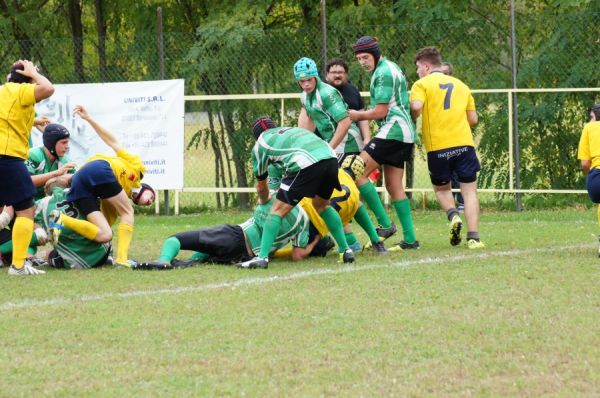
<point x="76" y="251"/>
<point x="293" y="148"/>
<point x="326" y="107"/>
<point x="38" y="163"/>
<point x="389" y="86"/>
<point x="294" y="228"/>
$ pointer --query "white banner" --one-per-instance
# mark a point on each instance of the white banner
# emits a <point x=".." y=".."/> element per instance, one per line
<point x="147" y="118"/>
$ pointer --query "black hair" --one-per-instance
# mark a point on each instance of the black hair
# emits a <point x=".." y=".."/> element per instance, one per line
<point x="16" y="77"/>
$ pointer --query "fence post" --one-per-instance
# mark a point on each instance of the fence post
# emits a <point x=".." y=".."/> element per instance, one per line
<point x="515" y="120"/>
<point x="161" y="74"/>
<point x="324" y="33"/>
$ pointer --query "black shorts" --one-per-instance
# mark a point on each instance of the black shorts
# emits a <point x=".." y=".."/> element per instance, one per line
<point x="391" y="152"/>
<point x="320" y="179"/>
<point x="5" y="235"/>
<point x="461" y="160"/>
<point x="224" y="244"/>
<point x="17" y="188"/>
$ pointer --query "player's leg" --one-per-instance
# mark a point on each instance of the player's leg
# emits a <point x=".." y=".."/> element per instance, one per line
<point x="393" y="183"/>
<point x="362" y="218"/>
<point x="18" y="191"/>
<point x="326" y="176"/>
<point x="124" y="209"/>
<point x="370" y="195"/>
<point x="467" y="166"/>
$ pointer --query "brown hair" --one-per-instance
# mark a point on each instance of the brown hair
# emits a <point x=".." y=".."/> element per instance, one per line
<point x="430" y="55"/>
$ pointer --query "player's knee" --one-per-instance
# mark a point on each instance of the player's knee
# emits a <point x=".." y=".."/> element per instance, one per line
<point x="104" y="235"/>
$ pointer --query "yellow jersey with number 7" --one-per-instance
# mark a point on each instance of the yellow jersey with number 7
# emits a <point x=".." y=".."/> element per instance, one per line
<point x="446" y="101"/>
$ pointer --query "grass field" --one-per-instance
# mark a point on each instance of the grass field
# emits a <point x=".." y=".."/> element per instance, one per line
<point x="520" y="318"/>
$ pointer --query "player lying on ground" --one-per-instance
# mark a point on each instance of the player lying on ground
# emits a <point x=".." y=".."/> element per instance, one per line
<point x="345" y="201"/>
<point x="72" y="251"/>
<point x="113" y="181"/>
<point x="228" y="244"/>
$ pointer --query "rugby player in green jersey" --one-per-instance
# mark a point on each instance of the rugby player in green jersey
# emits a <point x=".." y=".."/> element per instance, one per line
<point x="72" y="251"/>
<point x="393" y="144"/>
<point x="51" y="159"/>
<point x="227" y="244"/>
<point x="311" y="170"/>
<point x="324" y="108"/>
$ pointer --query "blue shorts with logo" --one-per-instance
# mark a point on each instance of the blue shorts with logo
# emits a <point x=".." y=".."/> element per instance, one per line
<point x="462" y="160"/>
<point x="17" y="188"/>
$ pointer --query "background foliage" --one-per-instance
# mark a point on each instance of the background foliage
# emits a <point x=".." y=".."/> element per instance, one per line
<point x="237" y="47"/>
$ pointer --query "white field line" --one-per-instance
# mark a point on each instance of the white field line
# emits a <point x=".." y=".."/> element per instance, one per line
<point x="254" y="281"/>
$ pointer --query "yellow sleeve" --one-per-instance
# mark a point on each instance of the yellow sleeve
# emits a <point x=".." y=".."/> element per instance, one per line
<point x="471" y="103"/>
<point x="417" y="91"/>
<point x="27" y="94"/>
<point x="583" y="152"/>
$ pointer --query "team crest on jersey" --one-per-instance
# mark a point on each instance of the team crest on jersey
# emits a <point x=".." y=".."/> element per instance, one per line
<point x="132" y="177"/>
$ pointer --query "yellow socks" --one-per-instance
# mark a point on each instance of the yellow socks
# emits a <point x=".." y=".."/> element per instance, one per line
<point x="82" y="227"/>
<point x="124" y="235"/>
<point x="21" y="237"/>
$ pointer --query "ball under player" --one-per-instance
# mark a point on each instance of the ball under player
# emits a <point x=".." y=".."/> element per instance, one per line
<point x="324" y="107"/>
<point x="346" y="201"/>
<point x="589" y="155"/>
<point x="393" y="144"/>
<point x="112" y="179"/>
<point x="448" y="111"/>
<point x="72" y="251"/>
<point x="310" y="171"/>
<point x="229" y="244"/>
<point x="50" y="160"/>
<point x="24" y="88"/>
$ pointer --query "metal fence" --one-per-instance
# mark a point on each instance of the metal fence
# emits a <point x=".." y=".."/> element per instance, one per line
<point x="225" y="61"/>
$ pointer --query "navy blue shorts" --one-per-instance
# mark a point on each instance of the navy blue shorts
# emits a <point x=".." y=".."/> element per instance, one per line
<point x="593" y="185"/>
<point x="392" y="152"/>
<point x="17" y="188"/>
<point x="95" y="179"/>
<point x="462" y="160"/>
<point x="320" y="179"/>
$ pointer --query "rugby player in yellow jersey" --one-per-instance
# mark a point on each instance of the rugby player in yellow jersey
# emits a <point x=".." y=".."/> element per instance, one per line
<point x="448" y="113"/>
<point x="113" y="181"/>
<point x="589" y="155"/>
<point x="24" y="88"/>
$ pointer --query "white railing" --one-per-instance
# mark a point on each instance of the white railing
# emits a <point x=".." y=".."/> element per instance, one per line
<point x="296" y="96"/>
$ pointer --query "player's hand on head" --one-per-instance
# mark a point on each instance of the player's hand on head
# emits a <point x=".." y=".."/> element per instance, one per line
<point x="29" y="69"/>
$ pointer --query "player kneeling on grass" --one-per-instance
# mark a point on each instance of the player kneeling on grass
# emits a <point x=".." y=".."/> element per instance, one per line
<point x="113" y="180"/>
<point x="72" y="251"/>
<point x="227" y="244"/>
<point x="346" y="201"/>
<point x="310" y="171"/>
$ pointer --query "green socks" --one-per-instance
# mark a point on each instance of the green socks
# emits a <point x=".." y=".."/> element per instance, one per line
<point x="334" y="224"/>
<point x="403" y="210"/>
<point x="350" y="238"/>
<point x="371" y="198"/>
<point x="270" y="231"/>
<point x="363" y="219"/>
<point x="199" y="256"/>
<point x="170" y="249"/>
